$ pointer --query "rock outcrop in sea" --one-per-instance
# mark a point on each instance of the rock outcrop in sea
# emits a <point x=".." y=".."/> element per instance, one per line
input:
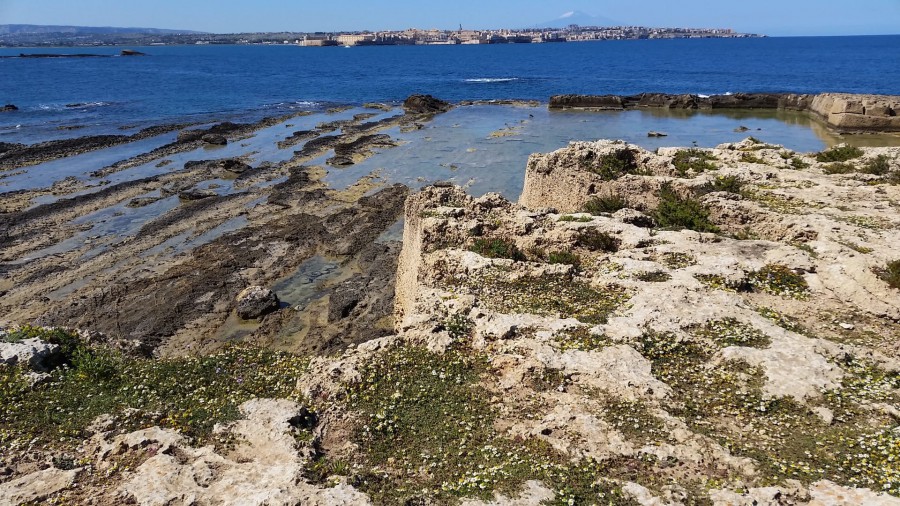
<point x="843" y="112"/>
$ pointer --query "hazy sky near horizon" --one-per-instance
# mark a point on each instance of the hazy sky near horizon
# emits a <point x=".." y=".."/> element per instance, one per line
<point x="771" y="17"/>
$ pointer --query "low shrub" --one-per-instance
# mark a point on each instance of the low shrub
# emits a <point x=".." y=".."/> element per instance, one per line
<point x="839" y="154"/>
<point x="878" y="166"/>
<point x="839" y="168"/>
<point x="497" y="248"/>
<point x="694" y="159"/>
<point x="678" y="212"/>
<point x="597" y="240"/>
<point x="730" y="184"/>
<point x="603" y="205"/>
<point x="564" y="257"/>
<point x="798" y="163"/>
<point x="615" y="165"/>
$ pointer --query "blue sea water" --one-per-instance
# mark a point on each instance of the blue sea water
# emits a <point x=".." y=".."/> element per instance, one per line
<point x="202" y="82"/>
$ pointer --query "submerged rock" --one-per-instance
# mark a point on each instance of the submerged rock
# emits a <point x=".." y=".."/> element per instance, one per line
<point x="255" y="302"/>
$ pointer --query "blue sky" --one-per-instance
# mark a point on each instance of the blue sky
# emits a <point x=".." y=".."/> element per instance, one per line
<point x="772" y="17"/>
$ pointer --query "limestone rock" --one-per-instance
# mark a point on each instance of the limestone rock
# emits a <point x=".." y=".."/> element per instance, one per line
<point x="36" y="487"/>
<point x="255" y="301"/>
<point x="826" y="493"/>
<point x="533" y="494"/>
<point x="264" y="468"/>
<point x="36" y="354"/>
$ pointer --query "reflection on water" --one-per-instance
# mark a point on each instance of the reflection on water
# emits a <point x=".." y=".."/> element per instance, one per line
<point x="486" y="148"/>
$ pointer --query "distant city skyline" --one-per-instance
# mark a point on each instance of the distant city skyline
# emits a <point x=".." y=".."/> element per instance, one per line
<point x="771" y="17"/>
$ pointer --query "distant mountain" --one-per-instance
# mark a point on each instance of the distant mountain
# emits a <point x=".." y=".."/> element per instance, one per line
<point x="578" y="18"/>
<point x="85" y="30"/>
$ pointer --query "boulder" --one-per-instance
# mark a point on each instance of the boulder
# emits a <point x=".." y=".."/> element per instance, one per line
<point x="255" y="302"/>
<point x="215" y="139"/>
<point x="38" y="355"/>
<point x="425" y="104"/>
<point x="657" y="134"/>
<point x="8" y="108"/>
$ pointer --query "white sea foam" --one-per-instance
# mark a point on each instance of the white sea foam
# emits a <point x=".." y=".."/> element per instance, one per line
<point x="492" y="80"/>
<point x="702" y="95"/>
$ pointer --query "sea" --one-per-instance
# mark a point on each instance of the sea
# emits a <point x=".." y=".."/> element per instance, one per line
<point x="70" y="97"/>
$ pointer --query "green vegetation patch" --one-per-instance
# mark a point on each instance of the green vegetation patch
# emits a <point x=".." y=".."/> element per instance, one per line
<point x="564" y="257"/>
<point x="724" y="401"/>
<point x="582" y="339"/>
<point x="839" y="154"/>
<point x="575" y="219"/>
<point x="427" y="436"/>
<point x="551" y="295"/>
<point x="731" y="332"/>
<point x="497" y="248"/>
<point x="779" y="280"/>
<point x="775" y="279"/>
<point x="798" y="163"/>
<point x="857" y="248"/>
<point x="695" y="160"/>
<point x="751" y="158"/>
<point x="653" y="276"/>
<point x="188" y="394"/>
<point x="605" y="205"/>
<point x="677" y="261"/>
<point x="632" y="418"/>
<point x="729" y="184"/>
<point x="615" y="165"/>
<point x="839" y="168"/>
<point x="677" y="212"/>
<point x="784" y="321"/>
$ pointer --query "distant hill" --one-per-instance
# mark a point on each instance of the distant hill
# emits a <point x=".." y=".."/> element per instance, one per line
<point x="578" y="18"/>
<point x="16" y="30"/>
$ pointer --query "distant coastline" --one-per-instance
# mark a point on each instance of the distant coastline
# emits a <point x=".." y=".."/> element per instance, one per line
<point x="45" y="36"/>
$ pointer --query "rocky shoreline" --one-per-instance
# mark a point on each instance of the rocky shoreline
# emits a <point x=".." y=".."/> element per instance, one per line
<point x="679" y="326"/>
<point x="844" y="113"/>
